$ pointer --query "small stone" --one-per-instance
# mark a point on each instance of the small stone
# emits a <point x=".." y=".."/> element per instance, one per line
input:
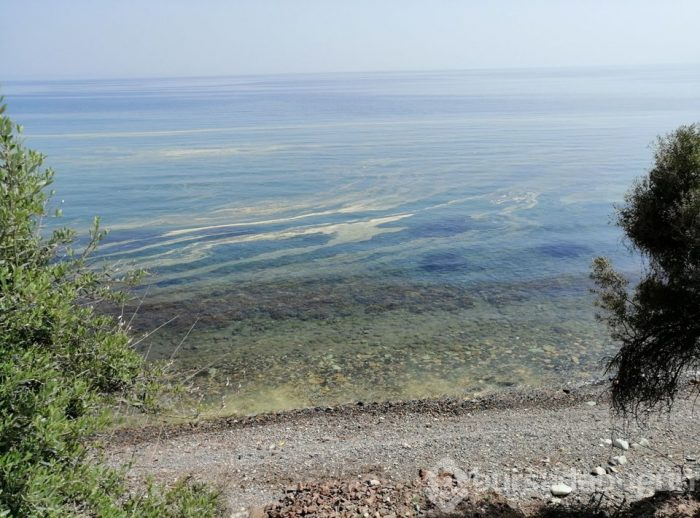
<point x="621" y="443"/>
<point x="598" y="471"/>
<point x="560" y="490"/>
<point x="618" y="461"/>
<point x="554" y="501"/>
<point x="406" y="446"/>
<point x="374" y="482"/>
<point x="271" y="447"/>
<point x="643" y="442"/>
<point x="591" y="403"/>
<point x="635" y="445"/>
<point x="607" y="441"/>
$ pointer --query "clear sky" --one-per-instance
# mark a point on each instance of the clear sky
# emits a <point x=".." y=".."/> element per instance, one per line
<point x="136" y="38"/>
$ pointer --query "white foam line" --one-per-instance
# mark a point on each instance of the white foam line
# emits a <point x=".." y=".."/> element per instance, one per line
<point x="185" y="153"/>
<point x="365" y="206"/>
<point x="350" y="232"/>
<point x="249" y="129"/>
<point x="251" y="223"/>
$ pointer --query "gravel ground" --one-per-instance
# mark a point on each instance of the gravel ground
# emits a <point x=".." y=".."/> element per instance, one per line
<point x="518" y="444"/>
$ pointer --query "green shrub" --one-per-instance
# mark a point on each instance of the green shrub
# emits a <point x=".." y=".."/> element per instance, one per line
<point x="61" y="362"/>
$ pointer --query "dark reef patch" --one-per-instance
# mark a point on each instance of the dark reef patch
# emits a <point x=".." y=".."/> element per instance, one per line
<point x="304" y="299"/>
<point x="445" y="262"/>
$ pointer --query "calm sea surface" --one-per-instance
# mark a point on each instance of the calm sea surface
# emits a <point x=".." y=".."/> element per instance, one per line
<point x="360" y="236"/>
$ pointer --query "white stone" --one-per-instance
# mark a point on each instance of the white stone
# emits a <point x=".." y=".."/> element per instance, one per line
<point x="622" y="444"/>
<point x="560" y="490"/>
<point x="618" y="461"/>
<point x="374" y="482"/>
<point x="598" y="471"/>
<point x="607" y="441"/>
<point x="643" y="442"/>
<point x="591" y="403"/>
<point x="635" y="445"/>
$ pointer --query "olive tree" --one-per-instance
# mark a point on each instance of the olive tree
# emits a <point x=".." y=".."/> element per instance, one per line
<point x="62" y="363"/>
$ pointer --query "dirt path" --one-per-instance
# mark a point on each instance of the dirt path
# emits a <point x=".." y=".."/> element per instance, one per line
<point x="519" y="444"/>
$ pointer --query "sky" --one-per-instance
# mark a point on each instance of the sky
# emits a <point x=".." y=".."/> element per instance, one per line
<point x="83" y="39"/>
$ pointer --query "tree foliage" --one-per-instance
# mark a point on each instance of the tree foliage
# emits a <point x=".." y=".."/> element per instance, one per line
<point x="658" y="321"/>
<point x="61" y="362"/>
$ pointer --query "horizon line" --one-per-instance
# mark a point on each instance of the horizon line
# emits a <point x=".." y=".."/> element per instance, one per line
<point x="349" y="72"/>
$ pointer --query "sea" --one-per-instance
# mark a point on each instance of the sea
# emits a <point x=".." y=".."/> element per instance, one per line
<point x="319" y="239"/>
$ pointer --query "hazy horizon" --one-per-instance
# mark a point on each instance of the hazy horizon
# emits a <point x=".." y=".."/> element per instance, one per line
<point x="130" y="40"/>
<point x="572" y="68"/>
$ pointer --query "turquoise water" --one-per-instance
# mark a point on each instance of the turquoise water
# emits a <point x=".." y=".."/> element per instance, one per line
<point x="360" y="236"/>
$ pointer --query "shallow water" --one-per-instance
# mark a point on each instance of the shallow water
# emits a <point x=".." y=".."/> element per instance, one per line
<point x="361" y="236"/>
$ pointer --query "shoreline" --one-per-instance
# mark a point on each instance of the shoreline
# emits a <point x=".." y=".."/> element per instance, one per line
<point x="519" y="398"/>
<point x="536" y="437"/>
